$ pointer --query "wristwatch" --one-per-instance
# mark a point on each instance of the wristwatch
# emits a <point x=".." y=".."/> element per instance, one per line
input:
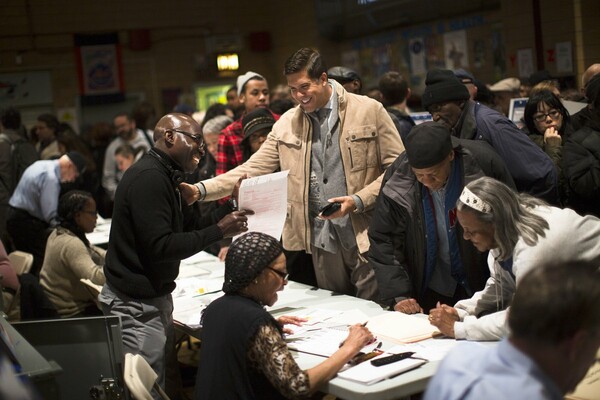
<point x="232" y="203"/>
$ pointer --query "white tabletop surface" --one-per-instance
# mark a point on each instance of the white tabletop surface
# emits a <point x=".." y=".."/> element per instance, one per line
<point x="296" y="296"/>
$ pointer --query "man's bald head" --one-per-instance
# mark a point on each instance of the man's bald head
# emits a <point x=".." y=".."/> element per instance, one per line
<point x="175" y="121"/>
<point x="593" y="69"/>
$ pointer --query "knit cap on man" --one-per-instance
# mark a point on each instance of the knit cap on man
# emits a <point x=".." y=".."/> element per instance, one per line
<point x="78" y="160"/>
<point x="428" y="144"/>
<point x="443" y="86"/>
<point x="243" y="79"/>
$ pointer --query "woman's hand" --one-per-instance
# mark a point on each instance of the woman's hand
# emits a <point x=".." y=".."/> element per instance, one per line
<point x="443" y="317"/>
<point x="408" y="306"/>
<point x="552" y="137"/>
<point x="290" y="320"/>
<point x="359" y="337"/>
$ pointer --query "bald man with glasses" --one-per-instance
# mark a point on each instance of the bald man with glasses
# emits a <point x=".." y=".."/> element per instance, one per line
<point x="152" y="230"/>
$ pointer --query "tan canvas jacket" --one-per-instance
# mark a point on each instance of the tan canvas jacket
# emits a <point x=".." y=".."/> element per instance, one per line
<point x="369" y="143"/>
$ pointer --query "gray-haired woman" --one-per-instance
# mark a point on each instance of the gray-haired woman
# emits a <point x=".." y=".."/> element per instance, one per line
<point x="521" y="232"/>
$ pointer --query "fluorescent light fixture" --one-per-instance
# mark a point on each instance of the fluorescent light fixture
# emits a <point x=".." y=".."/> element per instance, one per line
<point x="227" y="62"/>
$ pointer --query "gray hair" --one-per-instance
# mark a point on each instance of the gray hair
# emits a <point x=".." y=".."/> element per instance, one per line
<point x="511" y="214"/>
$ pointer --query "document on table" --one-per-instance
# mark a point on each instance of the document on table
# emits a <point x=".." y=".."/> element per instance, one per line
<point x="324" y="330"/>
<point x="368" y="374"/>
<point x="267" y="196"/>
<point x="323" y="341"/>
<point x="400" y="327"/>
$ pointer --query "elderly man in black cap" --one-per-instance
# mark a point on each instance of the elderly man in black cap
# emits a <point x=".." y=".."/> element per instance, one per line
<point x="417" y="247"/>
<point x="33" y="205"/>
<point x="447" y="99"/>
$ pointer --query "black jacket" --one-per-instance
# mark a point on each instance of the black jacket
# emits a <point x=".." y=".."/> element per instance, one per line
<point x="397" y="230"/>
<point x="229" y="325"/>
<point x="581" y="167"/>
<point x="152" y="230"/>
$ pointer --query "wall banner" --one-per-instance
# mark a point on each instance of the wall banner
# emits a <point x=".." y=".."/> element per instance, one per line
<point x="99" y="68"/>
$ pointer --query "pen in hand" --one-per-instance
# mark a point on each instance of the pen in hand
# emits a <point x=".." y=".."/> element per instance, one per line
<point x="343" y="341"/>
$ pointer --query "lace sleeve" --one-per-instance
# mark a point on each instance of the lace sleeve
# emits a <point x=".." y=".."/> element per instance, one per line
<point x="269" y="354"/>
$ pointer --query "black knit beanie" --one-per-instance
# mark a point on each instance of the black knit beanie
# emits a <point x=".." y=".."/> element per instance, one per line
<point x="247" y="257"/>
<point x="442" y="86"/>
<point x="427" y="144"/>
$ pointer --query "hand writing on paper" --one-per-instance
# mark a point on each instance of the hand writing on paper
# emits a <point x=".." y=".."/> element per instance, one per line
<point x="290" y="320"/>
<point x="443" y="317"/>
<point x="359" y="337"/>
<point x="348" y="205"/>
<point x="408" y="306"/>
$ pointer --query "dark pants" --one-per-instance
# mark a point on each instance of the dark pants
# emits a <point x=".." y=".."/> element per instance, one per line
<point x="430" y="298"/>
<point x="300" y="267"/>
<point x="28" y="234"/>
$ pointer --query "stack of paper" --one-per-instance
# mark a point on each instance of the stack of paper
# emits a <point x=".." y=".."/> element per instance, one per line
<point x="368" y="374"/>
<point x="400" y="327"/>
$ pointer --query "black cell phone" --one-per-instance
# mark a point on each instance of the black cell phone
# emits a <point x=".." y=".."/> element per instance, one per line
<point x="329" y="209"/>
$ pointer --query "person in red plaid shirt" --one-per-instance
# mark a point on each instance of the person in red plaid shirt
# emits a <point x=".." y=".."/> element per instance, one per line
<point x="253" y="92"/>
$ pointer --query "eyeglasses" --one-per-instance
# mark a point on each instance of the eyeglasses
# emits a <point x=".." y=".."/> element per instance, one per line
<point x="281" y="274"/>
<point x="554" y="114"/>
<point x="196" y="138"/>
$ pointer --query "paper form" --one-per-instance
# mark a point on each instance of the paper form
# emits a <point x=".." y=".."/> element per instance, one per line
<point x="266" y="195"/>
<point x="400" y="327"/>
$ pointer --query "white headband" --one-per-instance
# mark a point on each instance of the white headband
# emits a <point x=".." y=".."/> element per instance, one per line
<point x="474" y="201"/>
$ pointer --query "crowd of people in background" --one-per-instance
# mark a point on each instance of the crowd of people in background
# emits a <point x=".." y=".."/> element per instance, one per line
<point x="443" y="217"/>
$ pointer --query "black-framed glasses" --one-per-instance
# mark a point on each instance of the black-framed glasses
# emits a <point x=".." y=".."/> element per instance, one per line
<point x="554" y="114"/>
<point x="281" y="274"/>
<point x="196" y="138"/>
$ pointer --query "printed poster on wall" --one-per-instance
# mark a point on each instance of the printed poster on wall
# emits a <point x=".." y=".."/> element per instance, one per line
<point x="455" y="49"/>
<point x="564" y="57"/>
<point x="416" y="48"/>
<point x="99" y="68"/>
<point x="525" y="62"/>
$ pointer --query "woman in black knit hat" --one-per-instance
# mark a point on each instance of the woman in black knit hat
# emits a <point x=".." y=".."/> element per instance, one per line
<point x="243" y="352"/>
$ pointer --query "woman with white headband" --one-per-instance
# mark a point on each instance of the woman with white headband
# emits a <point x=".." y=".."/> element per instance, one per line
<point x="521" y="232"/>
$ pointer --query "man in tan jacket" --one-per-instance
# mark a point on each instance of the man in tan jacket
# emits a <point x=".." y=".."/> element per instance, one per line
<point x="336" y="146"/>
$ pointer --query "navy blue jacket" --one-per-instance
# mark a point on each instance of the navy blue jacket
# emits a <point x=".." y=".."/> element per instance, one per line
<point x="531" y="168"/>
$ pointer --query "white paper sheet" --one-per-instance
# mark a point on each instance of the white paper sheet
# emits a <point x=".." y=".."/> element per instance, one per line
<point x="402" y="328"/>
<point x="368" y="374"/>
<point x="267" y="196"/>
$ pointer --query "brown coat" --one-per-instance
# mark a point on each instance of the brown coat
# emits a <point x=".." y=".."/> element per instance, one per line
<point x="369" y="143"/>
